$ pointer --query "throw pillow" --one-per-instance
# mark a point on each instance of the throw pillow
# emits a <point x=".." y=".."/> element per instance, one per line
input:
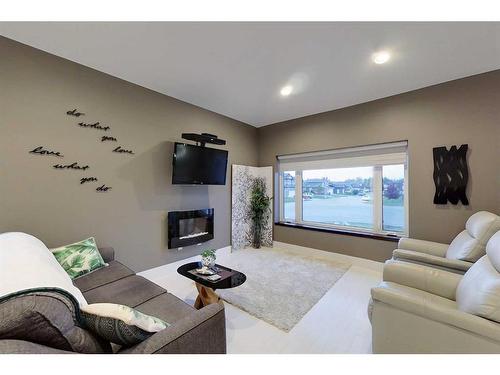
<point x="49" y="317"/>
<point x="79" y="258"/>
<point x="120" y="324"/>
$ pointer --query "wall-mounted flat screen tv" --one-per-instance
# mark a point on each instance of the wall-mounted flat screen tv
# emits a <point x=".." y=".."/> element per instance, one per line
<point x="198" y="165"/>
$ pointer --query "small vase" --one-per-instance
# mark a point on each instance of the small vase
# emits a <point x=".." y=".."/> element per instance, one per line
<point x="208" y="262"/>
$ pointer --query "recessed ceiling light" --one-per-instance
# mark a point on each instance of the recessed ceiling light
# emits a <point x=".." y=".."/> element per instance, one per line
<point x="381" y="57"/>
<point x="286" y="90"/>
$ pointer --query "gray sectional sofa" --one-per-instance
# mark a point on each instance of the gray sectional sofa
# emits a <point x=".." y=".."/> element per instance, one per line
<point x="191" y="331"/>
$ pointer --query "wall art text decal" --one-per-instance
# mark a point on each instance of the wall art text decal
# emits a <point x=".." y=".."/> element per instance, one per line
<point x="94" y="126"/>
<point x="71" y="166"/>
<point x="122" y="150"/>
<point x="105" y="138"/>
<point x="41" y="151"/>
<point x="75" y="113"/>
<point x="87" y="179"/>
<point x="103" y="188"/>
<point x="450" y="174"/>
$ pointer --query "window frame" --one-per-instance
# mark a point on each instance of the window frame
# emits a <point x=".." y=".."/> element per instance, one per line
<point x="377" y="196"/>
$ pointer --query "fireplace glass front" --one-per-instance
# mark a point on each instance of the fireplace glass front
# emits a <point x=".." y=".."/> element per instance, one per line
<point x="190" y="227"/>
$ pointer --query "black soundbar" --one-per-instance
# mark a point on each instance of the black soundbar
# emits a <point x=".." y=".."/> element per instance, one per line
<point x="203" y="138"/>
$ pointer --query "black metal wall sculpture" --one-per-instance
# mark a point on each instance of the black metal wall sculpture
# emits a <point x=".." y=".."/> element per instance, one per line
<point x="41" y="151"/>
<point x="450" y="174"/>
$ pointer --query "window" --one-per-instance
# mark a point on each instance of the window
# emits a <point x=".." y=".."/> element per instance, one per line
<point x="359" y="188"/>
<point x="339" y="196"/>
<point x="393" y="208"/>
<point x="289" y="195"/>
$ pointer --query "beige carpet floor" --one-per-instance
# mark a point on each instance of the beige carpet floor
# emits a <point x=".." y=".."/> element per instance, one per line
<point x="281" y="287"/>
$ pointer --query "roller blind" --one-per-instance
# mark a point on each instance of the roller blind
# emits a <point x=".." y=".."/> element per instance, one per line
<point x="362" y="156"/>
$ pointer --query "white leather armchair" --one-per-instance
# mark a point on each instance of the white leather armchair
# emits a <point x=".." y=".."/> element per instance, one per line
<point x="419" y="309"/>
<point x="458" y="256"/>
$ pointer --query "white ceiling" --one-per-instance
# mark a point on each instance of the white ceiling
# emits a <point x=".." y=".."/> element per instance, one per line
<point x="237" y="69"/>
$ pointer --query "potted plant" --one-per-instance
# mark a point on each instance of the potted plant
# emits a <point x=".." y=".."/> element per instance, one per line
<point x="208" y="258"/>
<point x="260" y="209"/>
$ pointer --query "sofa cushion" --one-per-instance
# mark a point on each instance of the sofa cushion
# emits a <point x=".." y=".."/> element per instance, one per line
<point x="482" y="225"/>
<point x="129" y="291"/>
<point x="166" y="307"/>
<point x="493" y="250"/>
<point x="79" y="258"/>
<point x="107" y="253"/>
<point x="463" y="247"/>
<point x="49" y="317"/>
<point x="478" y="292"/>
<point x="115" y="271"/>
<point x="23" y="254"/>
<point x="470" y="244"/>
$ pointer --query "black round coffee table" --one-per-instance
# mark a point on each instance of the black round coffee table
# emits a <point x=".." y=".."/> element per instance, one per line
<point x="206" y="289"/>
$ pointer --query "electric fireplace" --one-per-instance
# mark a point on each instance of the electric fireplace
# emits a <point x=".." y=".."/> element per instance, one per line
<point x="190" y="227"/>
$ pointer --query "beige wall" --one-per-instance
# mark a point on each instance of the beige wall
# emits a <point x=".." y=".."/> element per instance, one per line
<point x="36" y="90"/>
<point x="457" y="112"/>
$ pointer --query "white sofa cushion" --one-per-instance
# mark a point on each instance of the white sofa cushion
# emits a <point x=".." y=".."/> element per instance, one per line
<point x="493" y="250"/>
<point x="478" y="292"/>
<point x="26" y="263"/>
<point x="463" y="246"/>
<point x="470" y="244"/>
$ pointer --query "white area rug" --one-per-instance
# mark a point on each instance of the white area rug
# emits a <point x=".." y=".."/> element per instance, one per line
<point x="281" y="287"/>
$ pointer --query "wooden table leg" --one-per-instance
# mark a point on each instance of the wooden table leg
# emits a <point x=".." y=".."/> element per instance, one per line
<point x="205" y="297"/>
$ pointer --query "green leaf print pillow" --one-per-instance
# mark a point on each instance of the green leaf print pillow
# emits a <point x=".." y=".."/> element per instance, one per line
<point x="79" y="258"/>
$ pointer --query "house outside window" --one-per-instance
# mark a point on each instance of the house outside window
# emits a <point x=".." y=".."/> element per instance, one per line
<point x="359" y="189"/>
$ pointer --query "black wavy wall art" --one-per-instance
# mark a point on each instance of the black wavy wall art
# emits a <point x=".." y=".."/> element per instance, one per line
<point x="450" y="174"/>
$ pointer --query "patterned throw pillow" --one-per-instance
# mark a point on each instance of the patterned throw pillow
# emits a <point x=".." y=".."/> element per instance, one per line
<point x="79" y="258"/>
<point x="120" y="324"/>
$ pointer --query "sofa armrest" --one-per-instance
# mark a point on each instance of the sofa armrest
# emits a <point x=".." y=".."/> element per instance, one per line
<point x="202" y="332"/>
<point x="27" y="347"/>
<point x="431" y="307"/>
<point x="453" y="265"/>
<point x="428" y="247"/>
<point x="427" y="279"/>
<point x="107" y="253"/>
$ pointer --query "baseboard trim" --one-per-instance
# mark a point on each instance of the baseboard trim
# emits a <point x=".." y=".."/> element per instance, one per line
<point x="361" y="262"/>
